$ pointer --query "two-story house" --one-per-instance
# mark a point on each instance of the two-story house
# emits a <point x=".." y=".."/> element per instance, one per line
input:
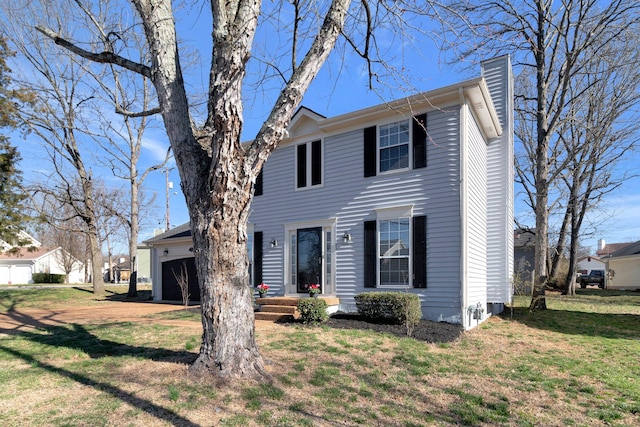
<point x="414" y="195"/>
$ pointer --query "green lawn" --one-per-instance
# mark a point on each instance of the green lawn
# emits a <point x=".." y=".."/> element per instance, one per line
<point x="576" y="364"/>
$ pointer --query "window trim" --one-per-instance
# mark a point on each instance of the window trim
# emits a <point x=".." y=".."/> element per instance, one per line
<point x="309" y="165"/>
<point x="388" y="214"/>
<point x="408" y="257"/>
<point x="409" y="145"/>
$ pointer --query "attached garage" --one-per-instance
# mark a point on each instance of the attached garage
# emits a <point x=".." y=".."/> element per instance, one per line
<point x="174" y="270"/>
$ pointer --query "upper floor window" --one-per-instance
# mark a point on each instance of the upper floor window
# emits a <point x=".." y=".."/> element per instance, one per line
<point x="309" y="164"/>
<point x="394" y="146"/>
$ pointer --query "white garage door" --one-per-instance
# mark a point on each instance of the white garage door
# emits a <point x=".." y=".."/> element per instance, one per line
<point x="15" y="274"/>
<point x="21" y="274"/>
<point x="4" y="275"/>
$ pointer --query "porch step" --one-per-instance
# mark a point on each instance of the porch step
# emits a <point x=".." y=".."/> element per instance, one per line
<point x="282" y="309"/>
<point x="286" y="309"/>
<point x="274" y="317"/>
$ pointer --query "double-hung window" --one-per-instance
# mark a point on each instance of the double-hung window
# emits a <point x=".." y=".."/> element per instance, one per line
<point x="394" y="250"/>
<point x="394" y="146"/>
<point x="309" y="164"/>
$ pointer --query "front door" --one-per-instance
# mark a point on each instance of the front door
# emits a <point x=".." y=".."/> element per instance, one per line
<point x="308" y="258"/>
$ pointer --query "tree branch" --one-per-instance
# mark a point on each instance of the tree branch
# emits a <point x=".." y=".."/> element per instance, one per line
<point x="103" y="58"/>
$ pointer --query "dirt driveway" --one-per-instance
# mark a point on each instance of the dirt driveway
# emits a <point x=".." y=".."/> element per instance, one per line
<point x="28" y="318"/>
<point x="25" y="319"/>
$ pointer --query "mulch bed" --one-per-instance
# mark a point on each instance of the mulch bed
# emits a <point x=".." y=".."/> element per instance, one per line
<point x="426" y="330"/>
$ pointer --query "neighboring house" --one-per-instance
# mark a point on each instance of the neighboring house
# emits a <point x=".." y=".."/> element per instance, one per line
<point x="606" y="250"/>
<point x="17" y="266"/>
<point x="144" y="264"/>
<point x="415" y="195"/>
<point x="587" y="263"/>
<point x="25" y="239"/>
<point x="624" y="268"/>
<point x="120" y="270"/>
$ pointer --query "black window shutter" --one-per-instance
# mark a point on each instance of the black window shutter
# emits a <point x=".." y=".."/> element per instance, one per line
<point x="302" y="165"/>
<point x="420" y="141"/>
<point x="420" y="252"/>
<point x="370" y="255"/>
<point x="370" y="147"/>
<point x="316" y="163"/>
<point x="257" y="189"/>
<point x="257" y="258"/>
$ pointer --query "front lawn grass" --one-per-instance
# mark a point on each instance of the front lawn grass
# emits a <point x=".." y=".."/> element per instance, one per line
<point x="574" y="364"/>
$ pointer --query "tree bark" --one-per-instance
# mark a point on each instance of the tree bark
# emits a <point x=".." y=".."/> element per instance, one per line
<point x="538" y="301"/>
<point x="217" y="173"/>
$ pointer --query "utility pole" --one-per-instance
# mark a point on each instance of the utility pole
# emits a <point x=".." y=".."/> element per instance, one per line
<point x="169" y="186"/>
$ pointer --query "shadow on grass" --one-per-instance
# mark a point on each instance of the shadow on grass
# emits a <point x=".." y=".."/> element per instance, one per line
<point x="76" y="336"/>
<point x="142" y="404"/>
<point x="607" y="325"/>
<point x="79" y="338"/>
<point x="141" y="296"/>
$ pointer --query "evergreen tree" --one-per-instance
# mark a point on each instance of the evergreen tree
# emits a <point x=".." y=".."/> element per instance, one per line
<point x="12" y="214"/>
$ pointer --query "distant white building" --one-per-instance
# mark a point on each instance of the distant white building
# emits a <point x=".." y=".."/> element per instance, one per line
<point x="19" y="263"/>
<point x="588" y="263"/>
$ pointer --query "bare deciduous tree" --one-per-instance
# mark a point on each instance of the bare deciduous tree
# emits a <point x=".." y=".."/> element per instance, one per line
<point x="553" y="43"/>
<point x="183" y="282"/>
<point x="217" y="172"/>
<point x="602" y="127"/>
<point x="67" y="236"/>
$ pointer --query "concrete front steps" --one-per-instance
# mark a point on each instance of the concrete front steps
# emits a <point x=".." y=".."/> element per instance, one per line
<point x="285" y="309"/>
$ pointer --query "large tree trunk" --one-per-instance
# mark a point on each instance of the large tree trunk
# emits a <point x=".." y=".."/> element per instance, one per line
<point x="228" y="349"/>
<point x="133" y="237"/>
<point x="96" y="260"/>
<point x="538" y="301"/>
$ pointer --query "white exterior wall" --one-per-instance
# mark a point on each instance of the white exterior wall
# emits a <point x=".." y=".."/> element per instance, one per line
<point x="352" y="199"/>
<point x="627" y="273"/>
<point x="474" y="177"/>
<point x="53" y="263"/>
<point x="498" y="75"/>
<point x="591" y="263"/>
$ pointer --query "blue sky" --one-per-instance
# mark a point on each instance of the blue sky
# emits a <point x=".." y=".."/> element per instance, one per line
<point x="341" y="87"/>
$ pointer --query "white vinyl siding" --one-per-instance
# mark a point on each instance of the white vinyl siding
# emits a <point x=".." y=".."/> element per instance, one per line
<point x="432" y="191"/>
<point x="476" y="218"/>
<point x="500" y="198"/>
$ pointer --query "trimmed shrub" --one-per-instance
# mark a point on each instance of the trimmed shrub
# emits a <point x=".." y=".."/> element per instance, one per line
<point x="313" y="310"/>
<point x="399" y="308"/>
<point x="47" y="278"/>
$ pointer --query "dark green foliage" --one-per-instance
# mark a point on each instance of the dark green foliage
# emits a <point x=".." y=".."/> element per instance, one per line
<point x="48" y="278"/>
<point x="11" y="195"/>
<point x="389" y="307"/>
<point x="313" y="310"/>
